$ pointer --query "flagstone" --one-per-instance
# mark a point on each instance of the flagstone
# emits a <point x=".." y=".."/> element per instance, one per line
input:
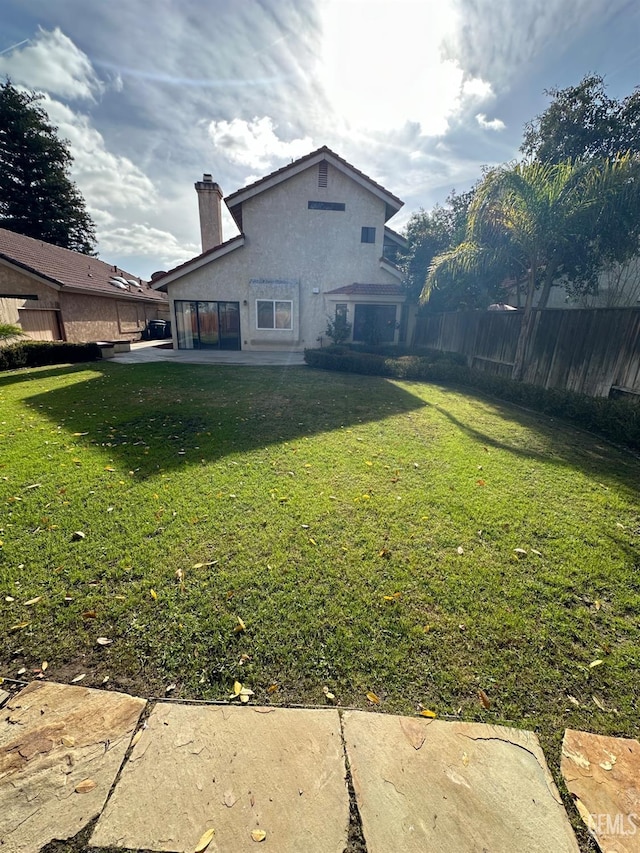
<point x="54" y="738"/>
<point x="428" y="785"/>
<point x="603" y="774"/>
<point x="235" y="770"/>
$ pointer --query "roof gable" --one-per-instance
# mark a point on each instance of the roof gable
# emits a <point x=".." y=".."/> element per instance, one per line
<point x="67" y="270"/>
<point x="235" y="200"/>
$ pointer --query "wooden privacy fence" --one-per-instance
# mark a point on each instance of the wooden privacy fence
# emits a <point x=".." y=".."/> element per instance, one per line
<point x="592" y="351"/>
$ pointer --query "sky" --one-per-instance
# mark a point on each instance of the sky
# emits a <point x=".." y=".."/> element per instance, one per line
<point x="418" y="94"/>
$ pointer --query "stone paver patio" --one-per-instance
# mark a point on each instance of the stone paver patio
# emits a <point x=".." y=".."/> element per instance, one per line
<point x="279" y="777"/>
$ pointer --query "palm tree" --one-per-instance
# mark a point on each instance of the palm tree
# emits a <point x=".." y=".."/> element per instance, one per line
<point x="8" y="331"/>
<point x="539" y="221"/>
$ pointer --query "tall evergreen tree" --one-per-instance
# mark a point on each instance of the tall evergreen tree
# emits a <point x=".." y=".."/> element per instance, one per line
<point x="37" y="196"/>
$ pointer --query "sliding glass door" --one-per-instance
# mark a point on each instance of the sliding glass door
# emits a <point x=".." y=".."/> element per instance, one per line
<point x="208" y="325"/>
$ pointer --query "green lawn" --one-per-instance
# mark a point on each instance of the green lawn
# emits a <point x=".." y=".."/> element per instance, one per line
<point x="363" y="530"/>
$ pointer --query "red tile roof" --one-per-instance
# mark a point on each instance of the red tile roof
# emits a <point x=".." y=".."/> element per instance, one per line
<point x="356" y="289"/>
<point x="70" y="270"/>
<point x="323" y="150"/>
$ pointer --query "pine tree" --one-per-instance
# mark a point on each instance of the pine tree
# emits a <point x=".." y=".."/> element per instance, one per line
<point x="37" y="196"/>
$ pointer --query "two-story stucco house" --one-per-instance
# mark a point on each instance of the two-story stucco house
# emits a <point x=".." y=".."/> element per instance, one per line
<point x="313" y="244"/>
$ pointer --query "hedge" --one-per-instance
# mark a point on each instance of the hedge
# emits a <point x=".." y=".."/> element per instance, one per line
<point x="41" y="353"/>
<point x="615" y="419"/>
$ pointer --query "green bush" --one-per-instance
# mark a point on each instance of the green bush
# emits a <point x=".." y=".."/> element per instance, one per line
<point x="41" y="353"/>
<point x="615" y="419"/>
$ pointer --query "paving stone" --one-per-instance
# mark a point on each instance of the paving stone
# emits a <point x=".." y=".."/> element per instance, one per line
<point x="235" y="770"/>
<point x="428" y="786"/>
<point x="603" y="774"/>
<point x="52" y="738"/>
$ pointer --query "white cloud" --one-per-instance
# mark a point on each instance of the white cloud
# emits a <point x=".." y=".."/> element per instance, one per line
<point x="51" y="62"/>
<point x="142" y="239"/>
<point x="255" y="143"/>
<point x="104" y="178"/>
<point x="489" y="124"/>
<point x="392" y="82"/>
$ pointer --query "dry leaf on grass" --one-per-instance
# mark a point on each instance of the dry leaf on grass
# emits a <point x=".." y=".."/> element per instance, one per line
<point x="45" y="665"/>
<point x="240" y="626"/>
<point x="79" y="678"/>
<point x="32" y="601"/>
<point x="373" y="698"/>
<point x="153" y="594"/>
<point x="595" y="663"/>
<point x="426" y="713"/>
<point x="205" y="841"/>
<point x="484" y="699"/>
<point x="104" y="641"/>
<point x="77" y="535"/>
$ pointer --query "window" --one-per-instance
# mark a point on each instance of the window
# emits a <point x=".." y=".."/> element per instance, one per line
<point x="341" y="311"/>
<point x="368" y="235"/>
<point x="273" y="314"/>
<point x="326" y="205"/>
<point x="322" y="173"/>
<point x="374" y="324"/>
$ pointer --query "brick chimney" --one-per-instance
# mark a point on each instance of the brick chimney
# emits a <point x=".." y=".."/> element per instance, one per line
<point x="210" y="208"/>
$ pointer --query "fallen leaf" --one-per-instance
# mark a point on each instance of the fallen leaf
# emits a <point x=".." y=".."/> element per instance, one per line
<point x="460" y="549"/>
<point x="78" y="678"/>
<point x="153" y="594"/>
<point x="77" y="535"/>
<point x="573" y="700"/>
<point x="486" y="702"/>
<point x="481" y="483"/>
<point x="109" y="468"/>
<point x="33" y="486"/>
<point x="9" y="598"/>
<point x="520" y="552"/>
<point x="240" y="626"/>
<point x="45" y="665"/>
<point x="537" y="553"/>
<point x="598" y="703"/>
<point x="104" y="641"/>
<point x="427" y="713"/>
<point x="205" y="840"/>
<point x="32" y="601"/>
<point x="19" y="626"/>
<point x="272" y="688"/>
<point x="85" y="786"/>
<point x="89" y="614"/>
<point x="22" y="670"/>
<point x="258" y="834"/>
<point x="237" y="688"/>
<point x="465" y="759"/>
<point x="136" y="737"/>
<point x="373" y="698"/>
<point x="170" y="688"/>
<point x="595" y="663"/>
<point x="67" y="740"/>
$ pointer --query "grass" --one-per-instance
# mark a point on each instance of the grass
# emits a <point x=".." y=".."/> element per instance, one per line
<point x="364" y="530"/>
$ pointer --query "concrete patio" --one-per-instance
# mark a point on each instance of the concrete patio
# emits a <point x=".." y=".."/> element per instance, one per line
<point x="144" y="352"/>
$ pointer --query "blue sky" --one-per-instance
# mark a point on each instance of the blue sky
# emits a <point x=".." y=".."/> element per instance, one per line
<point x="418" y="95"/>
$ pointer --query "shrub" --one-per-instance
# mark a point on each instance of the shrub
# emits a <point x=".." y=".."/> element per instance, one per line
<point x="615" y="419"/>
<point x="41" y="353"/>
<point x="339" y="329"/>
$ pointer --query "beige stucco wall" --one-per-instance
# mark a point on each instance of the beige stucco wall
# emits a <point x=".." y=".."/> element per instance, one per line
<point x="83" y="317"/>
<point x="289" y="251"/>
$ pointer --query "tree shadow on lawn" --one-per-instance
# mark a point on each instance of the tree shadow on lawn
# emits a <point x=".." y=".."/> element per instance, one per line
<point x="557" y="442"/>
<point x="162" y="416"/>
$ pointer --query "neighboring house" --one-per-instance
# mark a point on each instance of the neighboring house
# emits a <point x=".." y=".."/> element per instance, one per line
<point x="313" y="245"/>
<point x="56" y="294"/>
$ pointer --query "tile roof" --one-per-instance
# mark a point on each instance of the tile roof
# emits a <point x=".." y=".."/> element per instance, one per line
<point x="323" y="150"/>
<point x="158" y="278"/>
<point x="357" y="289"/>
<point x="70" y="270"/>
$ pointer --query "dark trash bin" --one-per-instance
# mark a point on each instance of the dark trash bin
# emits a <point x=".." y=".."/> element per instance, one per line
<point x="156" y="330"/>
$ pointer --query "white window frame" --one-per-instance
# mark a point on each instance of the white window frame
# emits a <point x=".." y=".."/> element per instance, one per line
<point x="274" y="328"/>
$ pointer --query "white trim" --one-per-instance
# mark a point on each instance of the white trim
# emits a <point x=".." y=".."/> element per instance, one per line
<point x="199" y="261"/>
<point x="275" y="328"/>
<point x="241" y="196"/>
<point x="387" y="266"/>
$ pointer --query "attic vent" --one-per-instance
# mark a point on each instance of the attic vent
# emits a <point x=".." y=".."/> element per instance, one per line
<point x="322" y="173"/>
